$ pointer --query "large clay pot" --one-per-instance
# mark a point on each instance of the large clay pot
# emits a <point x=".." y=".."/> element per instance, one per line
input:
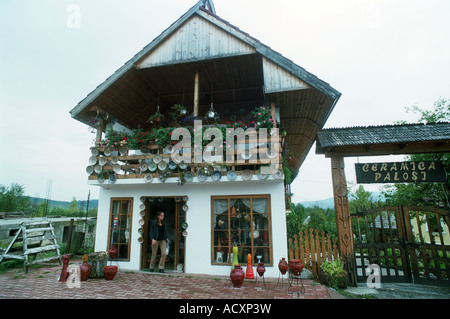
<point x="85" y="269"/>
<point x="283" y="266"/>
<point x="261" y="269"/>
<point x="237" y="276"/>
<point x="110" y="272"/>
<point x="113" y="252"/>
<point x="296" y="266"/>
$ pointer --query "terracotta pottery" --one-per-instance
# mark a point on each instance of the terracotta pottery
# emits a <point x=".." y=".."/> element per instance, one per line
<point x="113" y="252"/>
<point x="261" y="269"/>
<point x="296" y="266"/>
<point x="85" y="269"/>
<point x="64" y="273"/>
<point x="249" y="272"/>
<point x="110" y="272"/>
<point x="283" y="266"/>
<point x="237" y="276"/>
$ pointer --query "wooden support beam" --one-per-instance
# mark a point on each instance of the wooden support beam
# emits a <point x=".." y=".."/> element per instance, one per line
<point x="196" y="93"/>
<point x="343" y="218"/>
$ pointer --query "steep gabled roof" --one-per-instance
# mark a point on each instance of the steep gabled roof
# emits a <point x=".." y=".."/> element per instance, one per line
<point x="205" y="9"/>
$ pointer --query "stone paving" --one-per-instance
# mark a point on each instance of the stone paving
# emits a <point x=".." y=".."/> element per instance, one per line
<point x="42" y="283"/>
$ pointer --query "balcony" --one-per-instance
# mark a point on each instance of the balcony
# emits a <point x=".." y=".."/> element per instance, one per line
<point x="250" y="161"/>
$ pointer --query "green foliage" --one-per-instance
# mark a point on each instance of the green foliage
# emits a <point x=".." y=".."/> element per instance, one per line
<point x="301" y="218"/>
<point x="424" y="194"/>
<point x="333" y="268"/>
<point x="12" y="199"/>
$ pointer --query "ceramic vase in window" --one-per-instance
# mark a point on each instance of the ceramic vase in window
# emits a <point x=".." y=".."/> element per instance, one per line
<point x="113" y="252"/>
<point x="237" y="276"/>
<point x="283" y="266"/>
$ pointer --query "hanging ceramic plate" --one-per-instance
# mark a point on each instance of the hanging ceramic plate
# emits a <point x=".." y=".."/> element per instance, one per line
<point x="189" y="177"/>
<point x="216" y="176"/>
<point x="178" y="199"/>
<point x="112" y="179"/>
<point x="160" y="199"/>
<point x="247" y="175"/>
<point x="144" y="149"/>
<point x="142" y="206"/>
<point x="151" y="199"/>
<point x="162" y="165"/>
<point x="140" y="230"/>
<point x="117" y="168"/>
<point x="185" y="208"/>
<point x="148" y="178"/>
<point x="123" y="151"/>
<point x="142" y="199"/>
<point x="92" y="160"/>
<point x="107" y="152"/>
<point x="231" y="175"/>
<point x="114" y="159"/>
<point x="157" y="158"/>
<point x="152" y="167"/>
<point x="100" y="180"/>
<point x="201" y="176"/>
<point x="94" y="151"/>
<point x="168" y="149"/>
<point x="144" y="167"/>
<point x="185" y="198"/>
<point x="184" y="225"/>
<point x="278" y="174"/>
<point x="140" y="240"/>
<point x="172" y="165"/>
<point x="97" y="168"/>
<point x="142" y="213"/>
<point x="261" y="175"/>
<point x="90" y="169"/>
<point x="183" y="165"/>
<point x="185" y="233"/>
<point x="161" y="178"/>
<point x="141" y="222"/>
<point x="102" y="161"/>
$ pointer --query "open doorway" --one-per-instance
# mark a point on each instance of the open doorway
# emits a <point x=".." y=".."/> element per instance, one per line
<point x="174" y="209"/>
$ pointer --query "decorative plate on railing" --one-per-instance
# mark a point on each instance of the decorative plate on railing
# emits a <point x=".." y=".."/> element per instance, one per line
<point x="148" y="178"/>
<point x="247" y="175"/>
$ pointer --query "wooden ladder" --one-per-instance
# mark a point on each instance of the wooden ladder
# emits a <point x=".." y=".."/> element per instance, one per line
<point x="36" y="237"/>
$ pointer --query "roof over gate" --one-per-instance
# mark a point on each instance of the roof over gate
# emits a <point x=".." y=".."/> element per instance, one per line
<point x="236" y="71"/>
<point x="384" y="140"/>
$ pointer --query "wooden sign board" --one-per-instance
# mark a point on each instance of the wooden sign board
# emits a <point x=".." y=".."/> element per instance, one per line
<point x="400" y="172"/>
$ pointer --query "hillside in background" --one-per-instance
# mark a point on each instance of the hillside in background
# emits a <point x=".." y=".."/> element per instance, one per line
<point x="329" y="202"/>
<point x="93" y="203"/>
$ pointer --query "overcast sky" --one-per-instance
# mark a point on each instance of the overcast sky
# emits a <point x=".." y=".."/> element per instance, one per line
<point x="381" y="55"/>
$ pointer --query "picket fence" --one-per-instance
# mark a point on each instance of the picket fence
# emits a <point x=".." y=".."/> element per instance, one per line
<point x="313" y="249"/>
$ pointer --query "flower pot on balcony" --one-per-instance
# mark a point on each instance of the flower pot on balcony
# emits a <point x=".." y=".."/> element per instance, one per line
<point x="110" y="272"/>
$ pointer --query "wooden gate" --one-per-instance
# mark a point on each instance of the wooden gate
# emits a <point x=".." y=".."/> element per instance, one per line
<point x="409" y="244"/>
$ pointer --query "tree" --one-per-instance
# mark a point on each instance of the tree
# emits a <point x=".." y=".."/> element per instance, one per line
<point x="424" y="194"/>
<point x="360" y="200"/>
<point x="12" y="199"/>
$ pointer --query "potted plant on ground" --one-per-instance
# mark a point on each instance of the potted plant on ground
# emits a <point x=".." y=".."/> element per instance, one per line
<point x="333" y="274"/>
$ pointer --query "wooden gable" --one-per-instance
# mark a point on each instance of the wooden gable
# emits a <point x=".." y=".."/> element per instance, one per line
<point x="197" y="39"/>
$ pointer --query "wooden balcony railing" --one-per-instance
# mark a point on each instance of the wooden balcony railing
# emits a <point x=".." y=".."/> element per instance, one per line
<point x="106" y="166"/>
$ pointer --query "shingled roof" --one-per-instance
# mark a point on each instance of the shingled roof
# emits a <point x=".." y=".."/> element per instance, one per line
<point x="394" y="139"/>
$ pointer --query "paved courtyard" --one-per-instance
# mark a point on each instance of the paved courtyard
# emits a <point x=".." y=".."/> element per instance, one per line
<point x="42" y="283"/>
